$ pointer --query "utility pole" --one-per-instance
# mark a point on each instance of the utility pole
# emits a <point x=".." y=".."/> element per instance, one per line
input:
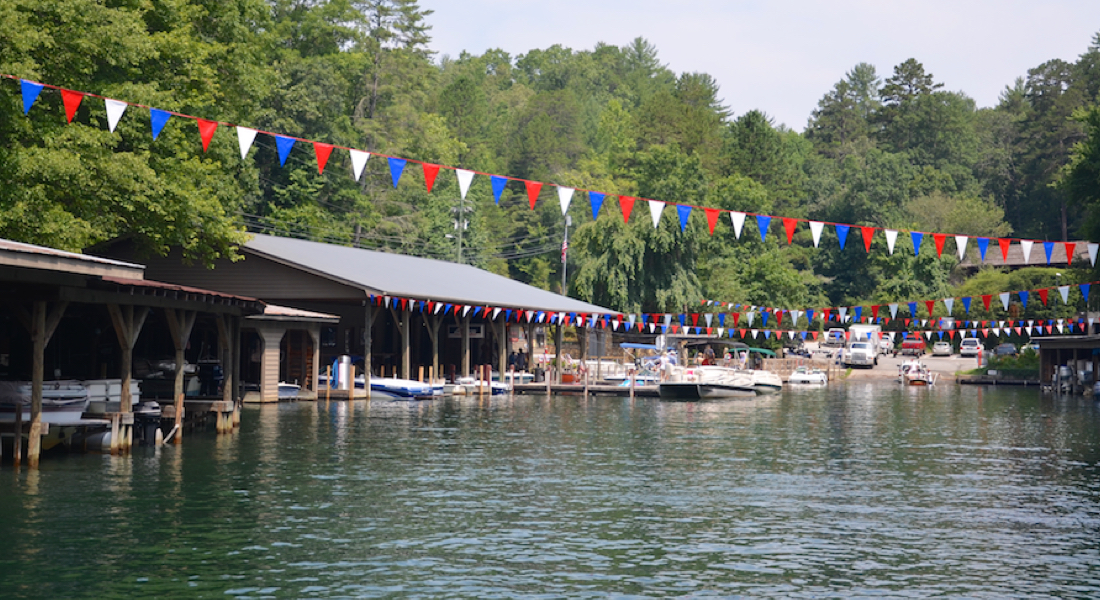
<point x="564" y="252"/>
<point x="461" y="223"/>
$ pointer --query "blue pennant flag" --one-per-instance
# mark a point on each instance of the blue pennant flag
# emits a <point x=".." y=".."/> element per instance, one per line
<point x="721" y="319"/>
<point x="809" y="316"/>
<point x="682" y="320"/>
<point x="664" y="328"/>
<point x="966" y="304"/>
<point x="803" y="335"/>
<point x="1049" y="247"/>
<point x="859" y="312"/>
<point x="158" y="118"/>
<point x="983" y="245"/>
<point x="283" y="144"/>
<point x="917" y="237"/>
<point x="684" y="210"/>
<point x="842" y="234"/>
<point x="596" y="199"/>
<point x="397" y="165"/>
<point x="1085" y="291"/>
<point x="767" y="334"/>
<point x="913" y="309"/>
<point x="1023" y="298"/>
<point x="507" y="314"/>
<point x="644" y="320"/>
<point x="498" y="186"/>
<point x="30" y="91"/>
<point x="764" y="318"/>
<point x="762" y="222"/>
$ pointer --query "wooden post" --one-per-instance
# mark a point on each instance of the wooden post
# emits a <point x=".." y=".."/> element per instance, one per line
<point x="433" y="324"/>
<point x="558" y="340"/>
<point x="466" y="345"/>
<point x="630" y="372"/>
<point x="179" y="325"/>
<point x="128" y="321"/>
<point x="328" y="380"/>
<point x="502" y="345"/>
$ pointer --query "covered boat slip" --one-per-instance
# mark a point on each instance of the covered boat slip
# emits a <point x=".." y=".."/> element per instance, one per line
<point x="384" y="321"/>
<point x="66" y="316"/>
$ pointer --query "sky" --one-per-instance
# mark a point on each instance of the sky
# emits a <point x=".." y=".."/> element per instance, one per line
<point x="781" y="57"/>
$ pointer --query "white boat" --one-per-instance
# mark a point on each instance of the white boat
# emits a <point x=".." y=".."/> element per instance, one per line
<point x="400" y="389"/>
<point x="288" y="390"/>
<point x="520" y="377"/>
<point x="63" y="402"/>
<point x="808" y="376"/>
<point x="471" y="387"/>
<point x="707" y="382"/>
<point x="914" y="372"/>
<point x="765" y="382"/>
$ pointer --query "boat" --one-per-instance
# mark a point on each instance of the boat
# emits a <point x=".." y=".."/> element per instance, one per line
<point x="471" y="387"/>
<point x="400" y="389"/>
<point x="914" y="372"/>
<point x="288" y="390"/>
<point x="707" y="382"/>
<point x="808" y="376"/>
<point x="63" y="402"/>
<point x="765" y="382"/>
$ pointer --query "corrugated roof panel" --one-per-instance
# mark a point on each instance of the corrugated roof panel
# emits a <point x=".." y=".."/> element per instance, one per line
<point x="413" y="277"/>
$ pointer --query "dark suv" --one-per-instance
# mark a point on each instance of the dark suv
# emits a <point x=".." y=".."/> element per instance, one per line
<point x="1005" y="349"/>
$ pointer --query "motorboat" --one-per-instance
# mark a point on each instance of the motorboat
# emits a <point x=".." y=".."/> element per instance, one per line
<point x="808" y="376"/>
<point x="707" y="382"/>
<point x="288" y="391"/>
<point x="400" y="389"/>
<point x="471" y="387"/>
<point x="914" y="372"/>
<point x="765" y="382"/>
<point x="63" y="402"/>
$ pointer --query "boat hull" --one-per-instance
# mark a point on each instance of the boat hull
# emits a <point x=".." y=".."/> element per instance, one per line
<point x="686" y="392"/>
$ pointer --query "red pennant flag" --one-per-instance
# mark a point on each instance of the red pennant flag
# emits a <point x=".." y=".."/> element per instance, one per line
<point x="430" y="171"/>
<point x="741" y="332"/>
<point x="825" y="311"/>
<point x="1069" y="252"/>
<point x="72" y="102"/>
<point x="940" y="238"/>
<point x="951" y="334"/>
<point x="709" y="329"/>
<point x="814" y="333"/>
<point x="930" y="304"/>
<point x="1017" y="330"/>
<point x="985" y="300"/>
<point x="694" y="319"/>
<point x="1043" y="295"/>
<point x="874" y="311"/>
<point x="533" y="188"/>
<point x="736" y="318"/>
<point x="907" y="323"/>
<point x="847" y="335"/>
<point x="868" y="235"/>
<point x="789" y="225"/>
<point x="778" y="318"/>
<point x="626" y="203"/>
<point x="712" y="218"/>
<point x="206" y="131"/>
<point x="431" y="305"/>
<point x="322" y="151"/>
<point x="1050" y="329"/>
<point x="1005" y="243"/>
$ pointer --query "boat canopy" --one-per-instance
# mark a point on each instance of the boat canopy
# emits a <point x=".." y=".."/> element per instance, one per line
<point x="763" y="351"/>
<point x="634" y="346"/>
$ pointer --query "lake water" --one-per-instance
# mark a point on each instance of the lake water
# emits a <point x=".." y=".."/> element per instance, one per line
<point x="865" y="489"/>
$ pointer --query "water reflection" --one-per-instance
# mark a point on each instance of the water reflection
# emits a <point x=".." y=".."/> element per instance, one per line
<point x="842" y="491"/>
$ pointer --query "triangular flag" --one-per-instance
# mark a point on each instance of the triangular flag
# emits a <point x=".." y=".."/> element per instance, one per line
<point x="762" y="223"/>
<point x="983" y="245"/>
<point x="206" y="131"/>
<point x="30" y="92"/>
<point x="115" y="108"/>
<point x="738" y="220"/>
<point x="913" y="309"/>
<point x="158" y="118"/>
<point x="533" y="189"/>
<point x="1004" y="243"/>
<point x="464" y="179"/>
<point x="1048" y="247"/>
<point x="1026" y="245"/>
<point x="397" y="166"/>
<point x="565" y="196"/>
<point x="626" y="204"/>
<point x="283" y="144"/>
<point x="712" y="218"/>
<point x="1043" y="295"/>
<point x="498" y="184"/>
<point x="71" y="100"/>
<point x="1004" y="299"/>
<point x="684" y="212"/>
<point x="960" y="245"/>
<point x="950" y="304"/>
<point x="868" y="235"/>
<point x="930" y="304"/>
<point x="986" y="299"/>
<point x="431" y="171"/>
<point x="358" y="162"/>
<point x="815" y="231"/>
<point x="245" y="137"/>
<point x="939" y="239"/>
<point x="655" y="208"/>
<point x="916" y="237"/>
<point x="1069" y="251"/>
<point x="891" y="239"/>
<point x="842" y="234"/>
<point x="322" y="151"/>
<point x="893" y="311"/>
<point x="788" y="225"/>
<point x="596" y="200"/>
<point x="1093" y="246"/>
<point x="1063" y="290"/>
<point x="966" y="304"/>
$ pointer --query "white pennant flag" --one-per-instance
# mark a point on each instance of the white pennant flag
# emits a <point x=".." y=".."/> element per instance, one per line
<point x="655" y="208"/>
<point x="843" y="313"/>
<point x="464" y="179"/>
<point x="1093" y="247"/>
<point x="709" y="317"/>
<point x="386" y="301"/>
<point x="358" y="161"/>
<point x="652" y="327"/>
<point x="960" y="245"/>
<point x="115" y="108"/>
<point x="790" y="334"/>
<point x="245" y="136"/>
<point x="815" y="229"/>
<point x="928" y="335"/>
<point x="949" y="303"/>
<point x="891" y="238"/>
<point x="1061" y="328"/>
<point x="755" y="333"/>
<point x="893" y="311"/>
<point x="496" y="311"/>
<point x="466" y="310"/>
<point x="1026" y="245"/>
<point x="565" y="195"/>
<point x="630" y="320"/>
<point x="795" y="314"/>
<point x="1064" y="291"/>
<point x="1004" y="299"/>
<point x="750" y="316"/>
<point x="668" y="319"/>
<point x="738" y="220"/>
<point x="438" y="307"/>
<point x="721" y="330"/>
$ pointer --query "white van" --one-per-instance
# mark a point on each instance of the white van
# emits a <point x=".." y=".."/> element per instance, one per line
<point x="970" y="347"/>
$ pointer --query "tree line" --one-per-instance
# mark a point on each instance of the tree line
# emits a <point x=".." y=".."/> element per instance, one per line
<point x="892" y="150"/>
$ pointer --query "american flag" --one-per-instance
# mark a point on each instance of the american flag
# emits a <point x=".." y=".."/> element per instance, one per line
<point x="564" y="248"/>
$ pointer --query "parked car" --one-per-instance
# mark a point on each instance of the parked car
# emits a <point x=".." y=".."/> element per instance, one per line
<point x="970" y="347"/>
<point x="942" y="349"/>
<point x="1005" y="349"/>
<point x="1033" y="346"/>
<point x="885" y="346"/>
<point x="914" y="346"/>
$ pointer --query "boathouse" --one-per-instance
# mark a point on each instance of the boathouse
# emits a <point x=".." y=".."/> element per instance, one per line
<point x="397" y="315"/>
<point x="1069" y="363"/>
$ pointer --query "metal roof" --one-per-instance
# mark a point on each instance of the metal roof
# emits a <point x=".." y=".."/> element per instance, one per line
<point x="382" y="273"/>
<point x="19" y="254"/>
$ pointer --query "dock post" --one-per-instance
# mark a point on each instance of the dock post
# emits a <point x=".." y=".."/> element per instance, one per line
<point x="328" y="383"/>
<point x="633" y="380"/>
